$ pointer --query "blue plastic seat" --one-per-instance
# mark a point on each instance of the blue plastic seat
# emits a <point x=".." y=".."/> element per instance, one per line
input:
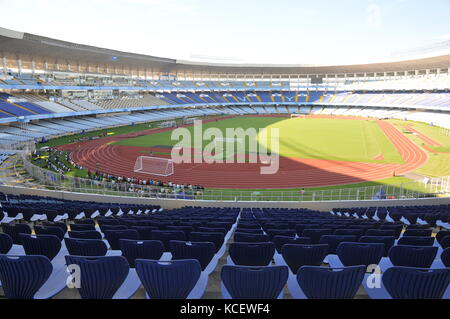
<point x="445" y="257"/>
<point x="249" y="231"/>
<point x="316" y="234"/>
<point x="6" y="243"/>
<point x="44" y="245"/>
<point x="280" y="241"/>
<point x="176" y="279"/>
<point x="106" y="277"/>
<point x="416" y="241"/>
<point x="251" y="254"/>
<point x="418" y="232"/>
<point x="30" y="277"/>
<point x="141" y="249"/>
<point x="61" y="225"/>
<point x="413" y="256"/>
<point x="240" y="282"/>
<point x="445" y="242"/>
<point x="382" y="232"/>
<point x="251" y="238"/>
<point x="388" y="242"/>
<point x="114" y="236"/>
<point x="281" y="232"/>
<point x="411" y="283"/>
<point x="356" y="254"/>
<point x="296" y="256"/>
<point x="87" y="234"/>
<point x="86" y="247"/>
<point x="333" y="241"/>
<point x="49" y="230"/>
<point x="350" y="232"/>
<point x="440" y="235"/>
<point x="216" y="238"/>
<point x="104" y="228"/>
<point x="14" y="231"/>
<point x="165" y="236"/>
<point x="328" y="283"/>
<point x="82" y="227"/>
<point x="204" y="252"/>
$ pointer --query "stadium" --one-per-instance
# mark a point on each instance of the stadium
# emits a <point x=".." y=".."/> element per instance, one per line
<point x="151" y="177"/>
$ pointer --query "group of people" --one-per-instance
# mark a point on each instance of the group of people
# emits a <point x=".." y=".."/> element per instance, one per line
<point x="55" y="160"/>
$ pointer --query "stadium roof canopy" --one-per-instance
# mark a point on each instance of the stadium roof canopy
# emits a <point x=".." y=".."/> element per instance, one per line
<point x="29" y="47"/>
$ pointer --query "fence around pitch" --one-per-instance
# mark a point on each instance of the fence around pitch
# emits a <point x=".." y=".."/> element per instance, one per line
<point x="413" y="190"/>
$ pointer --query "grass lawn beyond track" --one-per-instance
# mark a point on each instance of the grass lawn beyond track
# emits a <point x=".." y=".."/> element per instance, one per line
<point x="328" y="139"/>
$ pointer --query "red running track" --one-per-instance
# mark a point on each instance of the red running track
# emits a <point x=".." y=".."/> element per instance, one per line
<point x="293" y="172"/>
<point x="423" y="137"/>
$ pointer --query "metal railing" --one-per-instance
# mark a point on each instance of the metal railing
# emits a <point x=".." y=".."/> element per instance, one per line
<point x="47" y="179"/>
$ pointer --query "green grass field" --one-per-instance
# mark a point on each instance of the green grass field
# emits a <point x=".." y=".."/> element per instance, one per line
<point x="348" y="140"/>
<point x="438" y="163"/>
<point x="332" y="139"/>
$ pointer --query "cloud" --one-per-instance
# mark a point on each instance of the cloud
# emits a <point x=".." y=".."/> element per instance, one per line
<point x="374" y="16"/>
<point x="443" y="37"/>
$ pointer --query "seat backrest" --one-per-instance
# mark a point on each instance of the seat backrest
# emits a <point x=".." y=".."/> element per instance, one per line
<point x="6" y="243"/>
<point x="173" y="279"/>
<point x="61" y="225"/>
<point x="145" y="232"/>
<point x="101" y="277"/>
<point x="14" y="231"/>
<point x="354" y="254"/>
<point x="418" y="232"/>
<point x="412" y="256"/>
<point x="251" y="238"/>
<point x="297" y="256"/>
<point x="445" y="242"/>
<point x="388" y="242"/>
<point x="201" y="251"/>
<point x="347" y="232"/>
<point x="445" y="257"/>
<point x="82" y="227"/>
<point x="382" y="232"/>
<point x="165" y="236"/>
<point x="113" y="236"/>
<point x="416" y="241"/>
<point x="280" y="241"/>
<point x="281" y="232"/>
<point x="141" y="249"/>
<point x="216" y="238"/>
<point x="333" y="241"/>
<point x="23" y="276"/>
<point x="254" y="282"/>
<point x="329" y="283"/>
<point x="252" y="254"/>
<point x="414" y="283"/>
<point x="45" y="245"/>
<point x="440" y="235"/>
<point x="104" y="228"/>
<point x="49" y="230"/>
<point x="316" y="234"/>
<point x="85" y="222"/>
<point x="85" y="247"/>
<point x="212" y="230"/>
<point x="85" y="234"/>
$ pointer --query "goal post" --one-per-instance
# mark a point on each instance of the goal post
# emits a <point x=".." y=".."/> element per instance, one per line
<point x="154" y="166"/>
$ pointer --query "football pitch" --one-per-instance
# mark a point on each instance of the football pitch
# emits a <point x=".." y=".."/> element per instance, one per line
<point x="311" y="138"/>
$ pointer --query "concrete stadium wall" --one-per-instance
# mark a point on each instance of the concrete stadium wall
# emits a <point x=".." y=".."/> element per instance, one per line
<point x="178" y="203"/>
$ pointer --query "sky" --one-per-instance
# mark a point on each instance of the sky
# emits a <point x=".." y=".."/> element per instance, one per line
<point x="240" y="31"/>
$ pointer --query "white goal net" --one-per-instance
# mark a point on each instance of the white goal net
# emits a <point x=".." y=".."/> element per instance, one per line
<point x="154" y="166"/>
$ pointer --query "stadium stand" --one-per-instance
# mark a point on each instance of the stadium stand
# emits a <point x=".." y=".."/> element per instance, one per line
<point x="298" y="267"/>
